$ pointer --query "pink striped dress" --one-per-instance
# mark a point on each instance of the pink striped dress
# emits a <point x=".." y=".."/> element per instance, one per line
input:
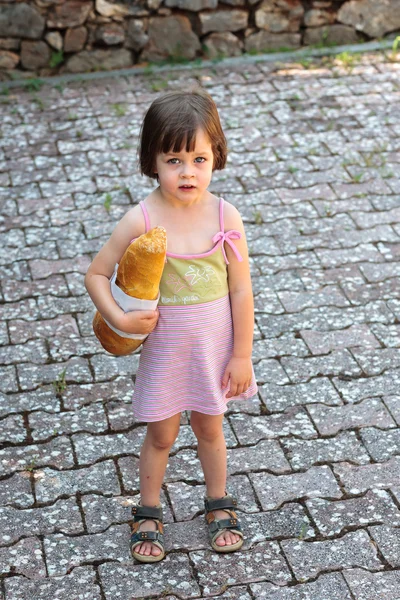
<point x="183" y="360"/>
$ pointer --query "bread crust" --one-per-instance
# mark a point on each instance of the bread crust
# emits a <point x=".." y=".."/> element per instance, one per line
<point x="138" y="275"/>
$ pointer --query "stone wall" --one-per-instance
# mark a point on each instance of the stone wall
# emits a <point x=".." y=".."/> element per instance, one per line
<point x="52" y="36"/>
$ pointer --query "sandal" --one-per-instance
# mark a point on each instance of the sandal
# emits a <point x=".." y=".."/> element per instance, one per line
<point x="141" y="514"/>
<point x="218" y="526"/>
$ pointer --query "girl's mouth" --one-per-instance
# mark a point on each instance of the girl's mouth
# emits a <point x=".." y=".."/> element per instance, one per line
<point x="186" y="187"/>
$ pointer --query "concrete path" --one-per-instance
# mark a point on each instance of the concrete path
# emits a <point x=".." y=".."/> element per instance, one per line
<point x="315" y="170"/>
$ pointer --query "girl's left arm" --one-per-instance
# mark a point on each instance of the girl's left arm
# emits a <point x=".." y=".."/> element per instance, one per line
<point x="239" y="369"/>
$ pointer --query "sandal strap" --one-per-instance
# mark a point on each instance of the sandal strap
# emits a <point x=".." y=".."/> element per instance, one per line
<point x="220" y="503"/>
<point x="147" y="512"/>
<point x="219" y="525"/>
<point x="147" y="536"/>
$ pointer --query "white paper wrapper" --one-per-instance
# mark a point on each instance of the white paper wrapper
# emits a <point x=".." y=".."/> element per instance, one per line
<point x="129" y="303"/>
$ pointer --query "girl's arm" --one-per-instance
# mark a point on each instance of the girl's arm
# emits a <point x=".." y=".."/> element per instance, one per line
<point x="97" y="279"/>
<point x="239" y="368"/>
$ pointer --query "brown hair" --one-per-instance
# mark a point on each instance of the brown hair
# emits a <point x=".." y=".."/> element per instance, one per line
<point x="171" y="123"/>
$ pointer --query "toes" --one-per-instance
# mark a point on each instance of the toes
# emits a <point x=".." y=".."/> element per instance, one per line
<point x="155" y="550"/>
<point x="220" y="541"/>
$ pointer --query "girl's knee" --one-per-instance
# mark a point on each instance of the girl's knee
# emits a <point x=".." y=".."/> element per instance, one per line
<point x="162" y="438"/>
<point x="207" y="428"/>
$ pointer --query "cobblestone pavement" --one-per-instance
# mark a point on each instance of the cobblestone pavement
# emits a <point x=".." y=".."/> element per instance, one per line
<point x="314" y="460"/>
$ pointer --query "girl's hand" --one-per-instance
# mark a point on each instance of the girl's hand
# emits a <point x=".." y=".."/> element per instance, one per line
<point x="239" y="371"/>
<point x="138" y="321"/>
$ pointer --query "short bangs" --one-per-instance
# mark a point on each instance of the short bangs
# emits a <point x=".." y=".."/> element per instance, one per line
<point x="171" y="124"/>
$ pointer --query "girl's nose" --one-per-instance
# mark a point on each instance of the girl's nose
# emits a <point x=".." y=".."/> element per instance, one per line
<point x="187" y="171"/>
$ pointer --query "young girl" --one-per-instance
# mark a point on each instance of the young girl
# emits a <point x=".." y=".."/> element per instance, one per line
<point x="198" y="354"/>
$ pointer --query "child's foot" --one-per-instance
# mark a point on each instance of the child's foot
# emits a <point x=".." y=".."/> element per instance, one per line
<point x="147" y="539"/>
<point x="226" y="538"/>
<point x="224" y="527"/>
<point x="147" y="548"/>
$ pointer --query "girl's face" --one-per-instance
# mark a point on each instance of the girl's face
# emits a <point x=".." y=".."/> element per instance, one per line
<point x="185" y="176"/>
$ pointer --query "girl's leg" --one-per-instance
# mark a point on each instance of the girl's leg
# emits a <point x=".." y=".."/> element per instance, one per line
<point x="212" y="454"/>
<point x="154" y="454"/>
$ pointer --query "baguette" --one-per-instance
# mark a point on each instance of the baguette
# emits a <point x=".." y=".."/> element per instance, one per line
<point x="138" y="275"/>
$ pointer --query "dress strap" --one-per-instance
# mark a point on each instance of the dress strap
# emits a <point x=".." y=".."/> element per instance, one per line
<point x="145" y="214"/>
<point x="226" y="236"/>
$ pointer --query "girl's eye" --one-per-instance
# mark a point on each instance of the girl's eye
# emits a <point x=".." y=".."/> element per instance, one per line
<point x="173" y="161"/>
<point x="200" y="159"/>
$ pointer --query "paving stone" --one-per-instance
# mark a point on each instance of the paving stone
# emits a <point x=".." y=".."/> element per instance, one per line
<point x="373" y="312"/>
<point x="393" y="404"/>
<point x="173" y="575"/>
<point x="16" y="490"/>
<point x="273" y="490"/>
<point x="57" y="453"/>
<point x="32" y="376"/>
<point x="388" y="335"/>
<point x="388" y="540"/>
<point x="370" y="586"/>
<point x="297" y="301"/>
<point x="287" y="344"/>
<point x="360" y="294"/>
<point x="293" y="421"/>
<point x="376" y="506"/>
<point x="271" y="371"/>
<point x="24" y="558"/>
<point x="16" y="290"/>
<point x="81" y="580"/>
<point x="51" y="307"/>
<point x="101" y="512"/>
<point x="185" y="465"/>
<point x="330" y="586"/>
<point x="302" y="454"/>
<point x="376" y="361"/>
<point x="358" y="479"/>
<point x="280" y="397"/>
<point x="64" y="552"/>
<point x="63" y="516"/>
<point x="76" y="396"/>
<point x="12" y="430"/>
<point x="369" y="412"/>
<point x="8" y="381"/>
<point x="188" y="500"/>
<point x="307" y="559"/>
<point x="45" y="425"/>
<point x="267" y="454"/>
<point x="100" y="478"/>
<point x="381" y="385"/>
<point x="129" y="467"/>
<point x="262" y="561"/>
<point x="338" y="362"/>
<point x="35" y="352"/>
<point x="120" y="415"/>
<point x="381" y="445"/>
<point x="354" y="336"/>
<point x="21" y="331"/>
<point x="106" y="367"/>
<point x="43" y="398"/>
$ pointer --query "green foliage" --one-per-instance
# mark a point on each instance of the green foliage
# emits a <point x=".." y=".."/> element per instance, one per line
<point x="108" y="202"/>
<point x="60" y="383"/>
<point x="5" y="91"/>
<point x="258" y="217"/>
<point x="158" y="85"/>
<point x="119" y="110"/>
<point x="57" y="58"/>
<point x="34" y="85"/>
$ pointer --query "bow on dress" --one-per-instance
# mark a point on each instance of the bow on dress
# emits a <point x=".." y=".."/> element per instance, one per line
<point x="228" y="236"/>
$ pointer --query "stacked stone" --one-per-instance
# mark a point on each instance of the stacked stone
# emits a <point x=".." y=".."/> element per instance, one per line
<point x="48" y="36"/>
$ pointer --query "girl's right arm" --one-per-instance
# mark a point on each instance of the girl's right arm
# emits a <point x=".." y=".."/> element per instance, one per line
<point x="97" y="279"/>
